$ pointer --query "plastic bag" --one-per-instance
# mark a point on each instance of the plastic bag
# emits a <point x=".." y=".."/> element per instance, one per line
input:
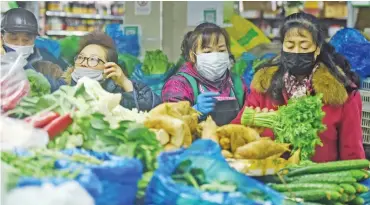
<point x="50" y="45"/>
<point x="355" y="47"/>
<point x="70" y="193"/>
<point x="128" y="62"/>
<point x="69" y="48"/>
<point x="124" y="43"/>
<point x="366" y="196"/>
<point x="236" y="49"/>
<point x="154" y="81"/>
<point x="26" y="136"/>
<point x="88" y="180"/>
<point x="118" y="176"/>
<point x="204" y="154"/>
<point x="246" y="33"/>
<point x="13" y="80"/>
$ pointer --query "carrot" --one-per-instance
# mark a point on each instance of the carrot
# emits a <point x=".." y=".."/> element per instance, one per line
<point x="42" y="120"/>
<point x="58" y="125"/>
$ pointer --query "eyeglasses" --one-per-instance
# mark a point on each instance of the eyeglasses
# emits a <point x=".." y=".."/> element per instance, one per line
<point x="91" y="61"/>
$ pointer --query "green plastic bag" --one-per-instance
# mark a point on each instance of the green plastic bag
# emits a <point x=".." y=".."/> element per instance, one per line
<point x="128" y="62"/>
<point x="69" y="48"/>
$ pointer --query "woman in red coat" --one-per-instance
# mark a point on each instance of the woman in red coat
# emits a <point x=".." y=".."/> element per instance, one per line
<point x="308" y="65"/>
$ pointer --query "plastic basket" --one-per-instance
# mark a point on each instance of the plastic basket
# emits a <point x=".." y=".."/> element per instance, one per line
<point x="365" y="95"/>
<point x="365" y="84"/>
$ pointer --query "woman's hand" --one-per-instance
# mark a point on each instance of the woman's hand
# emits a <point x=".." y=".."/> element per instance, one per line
<point x="260" y="130"/>
<point x="112" y="70"/>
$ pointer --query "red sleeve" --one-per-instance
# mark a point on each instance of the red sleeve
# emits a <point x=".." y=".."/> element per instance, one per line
<point x="350" y="131"/>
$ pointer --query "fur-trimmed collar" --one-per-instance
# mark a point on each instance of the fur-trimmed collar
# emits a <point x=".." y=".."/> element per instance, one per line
<point x="334" y="92"/>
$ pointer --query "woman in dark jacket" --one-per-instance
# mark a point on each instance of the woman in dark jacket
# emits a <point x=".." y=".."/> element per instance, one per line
<point x="97" y="59"/>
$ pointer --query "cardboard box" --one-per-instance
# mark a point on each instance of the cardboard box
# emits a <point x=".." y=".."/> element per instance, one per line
<point x="257" y="5"/>
<point x="333" y="9"/>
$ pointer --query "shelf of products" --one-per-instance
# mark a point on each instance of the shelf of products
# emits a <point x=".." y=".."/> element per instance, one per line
<point x="79" y="18"/>
<point x="65" y="33"/>
<point x="82" y="16"/>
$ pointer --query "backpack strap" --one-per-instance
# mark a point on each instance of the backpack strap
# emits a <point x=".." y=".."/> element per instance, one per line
<point x="238" y="88"/>
<point x="193" y="84"/>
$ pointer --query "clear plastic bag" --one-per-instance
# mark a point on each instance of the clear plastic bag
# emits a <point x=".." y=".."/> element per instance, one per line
<point x="18" y="134"/>
<point x="70" y="193"/>
<point x="13" y="81"/>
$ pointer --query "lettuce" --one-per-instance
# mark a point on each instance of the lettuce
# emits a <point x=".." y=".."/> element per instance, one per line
<point x="39" y="84"/>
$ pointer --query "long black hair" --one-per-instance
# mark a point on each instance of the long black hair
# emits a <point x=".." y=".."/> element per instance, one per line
<point x="338" y="66"/>
<point x="206" y="30"/>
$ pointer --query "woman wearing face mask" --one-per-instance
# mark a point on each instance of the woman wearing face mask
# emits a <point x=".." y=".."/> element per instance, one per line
<point x="97" y="59"/>
<point x="205" y="79"/>
<point x="308" y="66"/>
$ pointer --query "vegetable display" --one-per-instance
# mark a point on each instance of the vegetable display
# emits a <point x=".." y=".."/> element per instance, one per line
<point x="39" y="84"/>
<point x="155" y="62"/>
<point x="297" y="123"/>
<point x="326" y="183"/>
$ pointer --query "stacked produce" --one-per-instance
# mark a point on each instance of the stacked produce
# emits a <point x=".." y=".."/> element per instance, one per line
<point x="326" y="183"/>
<point x="39" y="84"/>
<point x="155" y="62"/>
<point x="297" y="123"/>
<point x="174" y="124"/>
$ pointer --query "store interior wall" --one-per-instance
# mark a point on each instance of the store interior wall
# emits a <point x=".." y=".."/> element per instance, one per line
<point x="150" y="25"/>
<point x="174" y="26"/>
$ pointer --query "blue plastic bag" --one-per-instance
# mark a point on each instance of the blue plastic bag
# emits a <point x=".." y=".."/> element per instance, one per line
<point x="354" y="46"/>
<point x="88" y="180"/>
<point x="119" y="176"/>
<point x="50" y="45"/>
<point x="204" y="154"/>
<point x="366" y="196"/>
<point x="124" y="43"/>
<point x="154" y="81"/>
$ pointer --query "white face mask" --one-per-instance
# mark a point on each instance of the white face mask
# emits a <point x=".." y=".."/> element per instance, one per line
<point x="213" y="66"/>
<point x="25" y="51"/>
<point x="80" y="72"/>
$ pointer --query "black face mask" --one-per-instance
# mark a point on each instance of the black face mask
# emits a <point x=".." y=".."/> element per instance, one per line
<point x="298" y="63"/>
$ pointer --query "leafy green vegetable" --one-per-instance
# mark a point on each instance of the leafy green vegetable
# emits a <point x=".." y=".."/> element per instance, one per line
<point x="39" y="84"/>
<point x="297" y="123"/>
<point x="128" y="62"/>
<point x="155" y="62"/>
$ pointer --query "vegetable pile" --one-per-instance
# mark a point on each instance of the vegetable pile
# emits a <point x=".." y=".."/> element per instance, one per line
<point x="41" y="163"/>
<point x="326" y="183"/>
<point x="39" y="84"/>
<point x="155" y="62"/>
<point x="297" y="123"/>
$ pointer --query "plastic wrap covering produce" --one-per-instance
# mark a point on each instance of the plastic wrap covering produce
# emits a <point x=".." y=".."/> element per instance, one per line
<point x="128" y="62"/>
<point x="355" y="47"/>
<point x="154" y="81"/>
<point x="51" y="46"/>
<point x="13" y="80"/>
<point x="118" y="176"/>
<point x="70" y="193"/>
<point x="69" y="48"/>
<point x="124" y="43"/>
<point x="26" y="136"/>
<point x="205" y="157"/>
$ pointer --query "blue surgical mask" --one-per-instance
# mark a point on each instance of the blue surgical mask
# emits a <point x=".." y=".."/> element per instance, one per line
<point x="94" y="74"/>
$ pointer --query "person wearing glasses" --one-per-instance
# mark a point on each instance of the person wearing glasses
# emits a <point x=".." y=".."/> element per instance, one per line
<point x="97" y="59"/>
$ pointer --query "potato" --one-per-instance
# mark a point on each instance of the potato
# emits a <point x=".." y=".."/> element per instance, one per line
<point x="230" y="130"/>
<point x="161" y="135"/>
<point x="261" y="149"/>
<point x="236" y="141"/>
<point x="209" y="129"/>
<point x="226" y="154"/>
<point x="173" y="126"/>
<point x="170" y="147"/>
<point x="225" y="143"/>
